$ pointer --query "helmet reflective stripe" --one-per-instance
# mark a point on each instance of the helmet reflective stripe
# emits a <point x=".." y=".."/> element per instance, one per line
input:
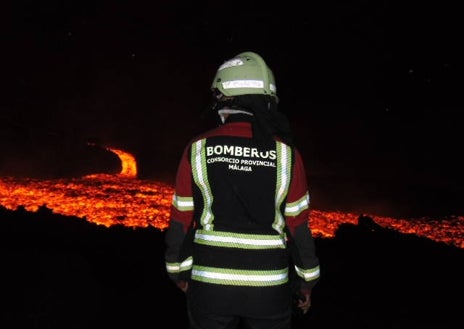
<point x="284" y="159"/>
<point x="236" y="277"/>
<point x="200" y="175"/>
<point x="272" y="87"/>
<point x="231" y="63"/>
<point x="295" y="208"/>
<point x="246" y="73"/>
<point x="243" y="84"/>
<point x="308" y="275"/>
<point x="182" y="203"/>
<point x="239" y="240"/>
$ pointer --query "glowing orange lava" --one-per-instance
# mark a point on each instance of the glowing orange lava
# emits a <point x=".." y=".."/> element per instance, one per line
<point x="129" y="165"/>
<point x="123" y="199"/>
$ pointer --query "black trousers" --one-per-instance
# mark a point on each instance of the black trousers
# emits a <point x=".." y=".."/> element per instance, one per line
<point x="201" y="320"/>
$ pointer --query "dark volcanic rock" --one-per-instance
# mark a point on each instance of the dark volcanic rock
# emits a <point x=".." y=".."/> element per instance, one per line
<point x="64" y="272"/>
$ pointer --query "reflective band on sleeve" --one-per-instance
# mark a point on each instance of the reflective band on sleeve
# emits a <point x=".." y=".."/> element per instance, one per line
<point x="182" y="203"/>
<point x="308" y="274"/>
<point x="295" y="208"/>
<point x="175" y="268"/>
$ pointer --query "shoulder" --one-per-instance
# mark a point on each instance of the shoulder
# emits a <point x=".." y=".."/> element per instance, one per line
<point x="206" y="134"/>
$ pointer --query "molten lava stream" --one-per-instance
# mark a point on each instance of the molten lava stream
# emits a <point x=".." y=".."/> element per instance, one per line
<point x="123" y="199"/>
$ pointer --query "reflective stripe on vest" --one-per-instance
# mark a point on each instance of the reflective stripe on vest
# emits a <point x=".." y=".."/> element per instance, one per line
<point x="200" y="176"/>
<point x="236" y="277"/>
<point x="239" y="240"/>
<point x="284" y="162"/>
<point x="206" y="235"/>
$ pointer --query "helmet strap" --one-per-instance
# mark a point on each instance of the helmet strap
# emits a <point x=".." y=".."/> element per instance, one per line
<point x="225" y="112"/>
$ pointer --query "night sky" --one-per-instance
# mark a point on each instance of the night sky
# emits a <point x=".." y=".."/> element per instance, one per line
<point x="373" y="89"/>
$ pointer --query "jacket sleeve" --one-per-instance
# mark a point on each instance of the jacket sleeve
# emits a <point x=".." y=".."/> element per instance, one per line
<point x="300" y="240"/>
<point x="178" y="236"/>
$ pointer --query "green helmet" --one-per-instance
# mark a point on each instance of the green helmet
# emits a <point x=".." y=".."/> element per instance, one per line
<point x="246" y="73"/>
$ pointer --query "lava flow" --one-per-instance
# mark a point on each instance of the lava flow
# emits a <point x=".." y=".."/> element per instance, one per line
<point x="123" y="199"/>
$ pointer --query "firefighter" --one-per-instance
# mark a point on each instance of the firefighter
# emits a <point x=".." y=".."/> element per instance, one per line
<point x="239" y="217"/>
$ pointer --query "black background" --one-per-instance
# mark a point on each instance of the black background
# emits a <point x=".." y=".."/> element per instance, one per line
<point x="372" y="89"/>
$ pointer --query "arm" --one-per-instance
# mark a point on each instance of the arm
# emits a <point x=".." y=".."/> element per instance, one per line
<point x="178" y="235"/>
<point x="300" y="239"/>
